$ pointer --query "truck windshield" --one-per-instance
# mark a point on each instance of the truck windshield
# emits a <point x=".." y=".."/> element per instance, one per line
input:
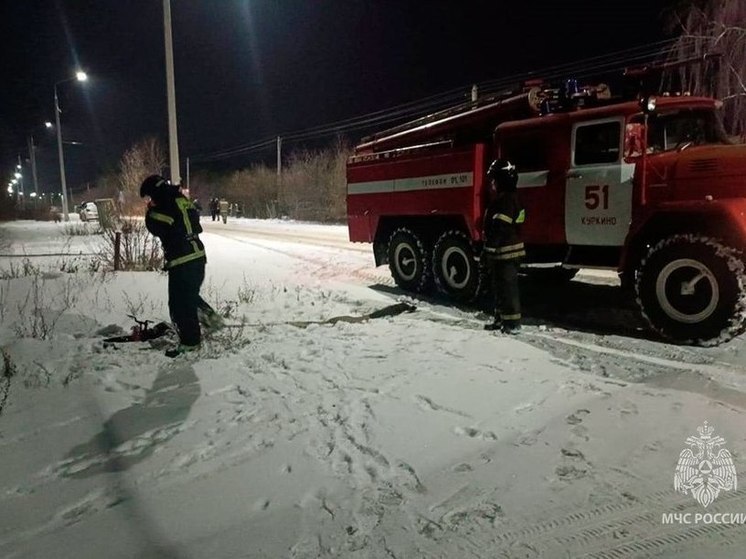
<point x="669" y="131"/>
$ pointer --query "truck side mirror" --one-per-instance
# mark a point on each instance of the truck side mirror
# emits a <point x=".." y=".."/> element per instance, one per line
<point x="634" y="140"/>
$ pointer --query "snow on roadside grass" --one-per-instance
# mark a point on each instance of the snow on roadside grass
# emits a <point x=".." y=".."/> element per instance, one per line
<point x="401" y="436"/>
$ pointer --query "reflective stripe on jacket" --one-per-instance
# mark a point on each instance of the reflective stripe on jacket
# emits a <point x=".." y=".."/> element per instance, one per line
<point x="176" y="224"/>
<point x="502" y="221"/>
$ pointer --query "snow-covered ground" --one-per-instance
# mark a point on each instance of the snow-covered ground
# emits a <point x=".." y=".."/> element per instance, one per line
<point x="416" y="435"/>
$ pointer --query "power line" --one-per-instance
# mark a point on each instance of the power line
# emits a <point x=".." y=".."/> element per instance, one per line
<point x="600" y="64"/>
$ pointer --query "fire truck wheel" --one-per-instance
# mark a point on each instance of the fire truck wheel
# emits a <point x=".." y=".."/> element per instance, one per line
<point x="409" y="260"/>
<point x="455" y="269"/>
<point x="692" y="289"/>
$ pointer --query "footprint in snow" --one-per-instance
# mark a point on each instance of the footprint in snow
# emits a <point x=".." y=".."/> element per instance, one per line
<point x="427" y="404"/>
<point x="577" y="417"/>
<point x="575" y="465"/>
<point x="261" y="504"/>
<point x="473" y="433"/>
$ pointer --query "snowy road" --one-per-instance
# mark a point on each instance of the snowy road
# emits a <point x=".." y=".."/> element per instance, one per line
<point x="333" y="236"/>
<point x="303" y="436"/>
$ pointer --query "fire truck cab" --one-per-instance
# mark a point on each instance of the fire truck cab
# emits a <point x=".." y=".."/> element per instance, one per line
<point x="652" y="189"/>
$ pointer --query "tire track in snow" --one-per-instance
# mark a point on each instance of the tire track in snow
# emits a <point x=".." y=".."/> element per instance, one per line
<point x="711" y="380"/>
<point x="631" y="528"/>
<point x="652" y="360"/>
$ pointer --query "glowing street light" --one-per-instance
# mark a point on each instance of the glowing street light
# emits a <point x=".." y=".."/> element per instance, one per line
<point x="17" y="175"/>
<point x="81" y="76"/>
<point x="48" y="124"/>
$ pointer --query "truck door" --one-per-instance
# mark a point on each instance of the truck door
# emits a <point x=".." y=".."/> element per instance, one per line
<point x="598" y="190"/>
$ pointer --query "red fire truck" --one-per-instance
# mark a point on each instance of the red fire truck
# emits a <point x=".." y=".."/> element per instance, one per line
<point x="649" y="187"/>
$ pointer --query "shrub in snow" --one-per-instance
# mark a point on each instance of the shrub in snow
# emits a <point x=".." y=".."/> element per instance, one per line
<point x="82" y="229"/>
<point x="36" y="318"/>
<point x="9" y="371"/>
<point x="138" y="251"/>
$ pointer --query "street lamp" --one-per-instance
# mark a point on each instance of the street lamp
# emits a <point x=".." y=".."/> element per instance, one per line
<point x="81" y="77"/>
<point x="32" y="154"/>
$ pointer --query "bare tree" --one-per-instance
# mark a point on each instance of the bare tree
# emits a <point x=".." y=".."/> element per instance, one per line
<point x="146" y="157"/>
<point x="713" y="27"/>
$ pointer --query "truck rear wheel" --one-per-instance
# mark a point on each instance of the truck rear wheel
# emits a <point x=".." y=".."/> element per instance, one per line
<point x="455" y="269"/>
<point x="409" y="260"/>
<point x="692" y="289"/>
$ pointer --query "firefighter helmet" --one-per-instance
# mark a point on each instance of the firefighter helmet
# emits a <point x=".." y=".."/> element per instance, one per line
<point x="503" y="173"/>
<point x="152" y="185"/>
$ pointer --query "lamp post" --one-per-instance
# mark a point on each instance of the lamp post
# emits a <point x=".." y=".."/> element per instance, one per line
<point x="173" y="142"/>
<point x="32" y="155"/>
<point x="81" y="77"/>
<point x="18" y="174"/>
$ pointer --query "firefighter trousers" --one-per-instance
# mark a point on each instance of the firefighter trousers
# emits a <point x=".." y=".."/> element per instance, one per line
<point x="184" y="300"/>
<point x="504" y="275"/>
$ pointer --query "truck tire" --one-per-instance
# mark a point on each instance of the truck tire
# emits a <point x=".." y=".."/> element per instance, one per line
<point x="455" y="268"/>
<point x="409" y="260"/>
<point x="691" y="289"/>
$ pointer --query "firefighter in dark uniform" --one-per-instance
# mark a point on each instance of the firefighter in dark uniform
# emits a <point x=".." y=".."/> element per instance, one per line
<point x="173" y="219"/>
<point x="503" y="248"/>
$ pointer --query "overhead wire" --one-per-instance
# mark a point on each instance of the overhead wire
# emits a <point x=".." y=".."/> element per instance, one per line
<point x="606" y="63"/>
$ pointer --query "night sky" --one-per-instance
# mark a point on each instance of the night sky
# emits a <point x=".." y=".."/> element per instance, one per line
<point x="250" y="69"/>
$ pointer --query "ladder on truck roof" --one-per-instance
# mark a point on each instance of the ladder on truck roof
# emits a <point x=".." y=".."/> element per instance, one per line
<point x="452" y="120"/>
<point x="477" y="119"/>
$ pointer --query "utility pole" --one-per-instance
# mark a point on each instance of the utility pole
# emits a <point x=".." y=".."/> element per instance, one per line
<point x="173" y="142"/>
<point x="32" y="156"/>
<point x="21" y="192"/>
<point x="187" y="173"/>
<point x="60" y="154"/>
<point x="279" y="159"/>
<point x="81" y="77"/>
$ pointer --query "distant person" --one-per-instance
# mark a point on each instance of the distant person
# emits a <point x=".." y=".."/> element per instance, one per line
<point x="223" y="209"/>
<point x="173" y="219"/>
<point x="197" y="206"/>
<point x="214" y="208"/>
<point x="504" y="248"/>
<point x="120" y="202"/>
